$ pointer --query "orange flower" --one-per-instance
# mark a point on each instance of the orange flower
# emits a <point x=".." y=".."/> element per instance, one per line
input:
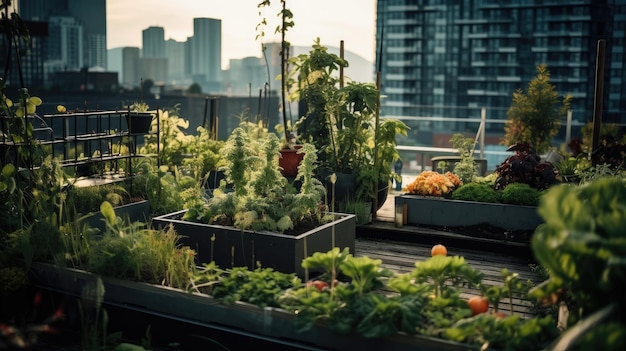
<point x="431" y="183"/>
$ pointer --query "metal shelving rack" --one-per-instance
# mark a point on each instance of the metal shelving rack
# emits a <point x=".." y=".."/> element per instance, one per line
<point x="86" y="141"/>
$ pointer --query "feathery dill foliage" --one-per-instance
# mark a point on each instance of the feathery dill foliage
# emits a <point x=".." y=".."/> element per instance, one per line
<point x="255" y="195"/>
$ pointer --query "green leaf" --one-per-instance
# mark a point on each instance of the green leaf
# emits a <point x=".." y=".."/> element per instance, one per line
<point x="108" y="212"/>
<point x="8" y="170"/>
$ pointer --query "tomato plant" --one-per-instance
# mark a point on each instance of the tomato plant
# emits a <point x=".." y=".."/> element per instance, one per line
<point x="445" y="274"/>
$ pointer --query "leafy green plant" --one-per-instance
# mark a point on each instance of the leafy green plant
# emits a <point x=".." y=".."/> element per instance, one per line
<point x="506" y="333"/>
<point x="31" y="182"/>
<point x="520" y="194"/>
<point x="261" y="286"/>
<point x="476" y="192"/>
<point x="172" y="144"/>
<point x="581" y="245"/>
<point x="342" y="122"/>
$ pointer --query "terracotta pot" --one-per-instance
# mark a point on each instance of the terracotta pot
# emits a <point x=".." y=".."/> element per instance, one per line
<point x="290" y="160"/>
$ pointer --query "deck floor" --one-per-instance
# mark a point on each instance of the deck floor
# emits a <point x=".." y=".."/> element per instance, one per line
<point x="400" y="254"/>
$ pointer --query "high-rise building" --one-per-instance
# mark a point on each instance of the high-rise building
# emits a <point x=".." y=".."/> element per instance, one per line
<point x="125" y="61"/>
<point x="205" y="48"/>
<point x="92" y="15"/>
<point x="130" y="62"/>
<point x="65" y="44"/>
<point x="153" y="40"/>
<point x="69" y="21"/>
<point x="246" y="77"/>
<point x="27" y="70"/>
<point x="445" y="57"/>
<point x="175" y="53"/>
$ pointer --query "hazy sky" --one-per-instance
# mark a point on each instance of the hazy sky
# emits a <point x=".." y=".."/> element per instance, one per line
<point x="352" y="21"/>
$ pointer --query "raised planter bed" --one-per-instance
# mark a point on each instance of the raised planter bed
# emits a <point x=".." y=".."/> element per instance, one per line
<point x="138" y="211"/>
<point x="204" y="315"/>
<point x="230" y="247"/>
<point x="437" y="211"/>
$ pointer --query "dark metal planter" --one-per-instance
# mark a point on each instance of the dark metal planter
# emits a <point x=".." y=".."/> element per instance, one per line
<point x="203" y="315"/>
<point x="138" y="211"/>
<point x="230" y="247"/>
<point x="438" y="211"/>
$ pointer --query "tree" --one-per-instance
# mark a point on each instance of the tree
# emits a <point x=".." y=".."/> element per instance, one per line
<point x="194" y="88"/>
<point x="535" y="116"/>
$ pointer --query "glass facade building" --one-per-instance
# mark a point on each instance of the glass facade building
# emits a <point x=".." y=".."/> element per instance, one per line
<point x="450" y="58"/>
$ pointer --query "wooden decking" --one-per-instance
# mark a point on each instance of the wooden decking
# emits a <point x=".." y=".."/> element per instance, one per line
<point x="400" y="248"/>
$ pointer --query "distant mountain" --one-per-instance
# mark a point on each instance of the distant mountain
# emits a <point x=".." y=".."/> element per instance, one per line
<point x="359" y="69"/>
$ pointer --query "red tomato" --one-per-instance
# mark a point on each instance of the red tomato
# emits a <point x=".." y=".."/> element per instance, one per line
<point x="318" y="284"/>
<point x="500" y="315"/>
<point x="478" y="304"/>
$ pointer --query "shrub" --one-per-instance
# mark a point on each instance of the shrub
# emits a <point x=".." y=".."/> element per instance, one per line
<point x="476" y="192"/>
<point x="520" y="194"/>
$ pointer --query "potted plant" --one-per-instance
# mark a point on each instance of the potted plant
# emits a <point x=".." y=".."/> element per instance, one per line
<point x="342" y="122"/>
<point x="256" y="211"/>
<point x="139" y="118"/>
<point x="290" y="158"/>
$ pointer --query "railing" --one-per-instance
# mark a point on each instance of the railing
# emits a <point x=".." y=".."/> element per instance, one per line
<point x="487" y="133"/>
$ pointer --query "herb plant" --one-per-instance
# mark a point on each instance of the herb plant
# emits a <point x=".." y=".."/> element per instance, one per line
<point x="466" y="168"/>
<point x="128" y="251"/>
<point x="261" y="197"/>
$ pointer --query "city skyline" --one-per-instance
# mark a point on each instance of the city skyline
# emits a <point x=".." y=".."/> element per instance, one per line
<point x="352" y="21"/>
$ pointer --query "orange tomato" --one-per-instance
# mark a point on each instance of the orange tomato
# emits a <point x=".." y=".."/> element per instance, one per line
<point x="438" y="250"/>
<point x="478" y="304"/>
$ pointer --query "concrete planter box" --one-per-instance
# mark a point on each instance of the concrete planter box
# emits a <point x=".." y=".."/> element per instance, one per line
<point x="438" y="211"/>
<point x="230" y="247"/>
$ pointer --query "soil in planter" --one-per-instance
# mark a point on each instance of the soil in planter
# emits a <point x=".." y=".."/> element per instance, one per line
<point x="487" y="231"/>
